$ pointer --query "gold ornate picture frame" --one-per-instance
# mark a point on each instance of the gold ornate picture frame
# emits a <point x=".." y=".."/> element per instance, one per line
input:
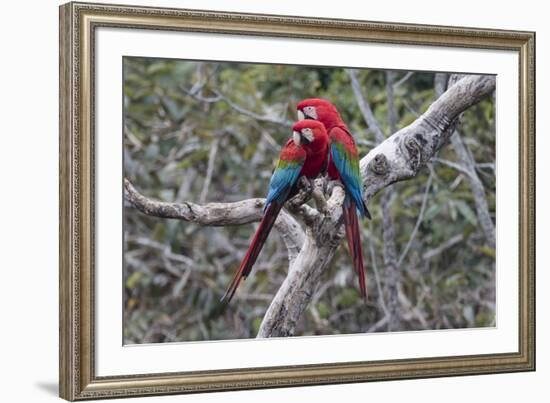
<point x="78" y="25"/>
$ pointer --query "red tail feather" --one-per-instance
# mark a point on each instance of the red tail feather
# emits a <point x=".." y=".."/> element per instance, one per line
<point x="270" y="215"/>
<point x="353" y="236"/>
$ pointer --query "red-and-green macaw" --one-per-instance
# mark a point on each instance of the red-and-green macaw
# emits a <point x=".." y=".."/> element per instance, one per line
<point x="343" y="166"/>
<point x="305" y="154"/>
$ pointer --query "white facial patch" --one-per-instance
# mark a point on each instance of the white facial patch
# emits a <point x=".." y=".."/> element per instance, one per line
<point x="308" y="134"/>
<point x="310" y="112"/>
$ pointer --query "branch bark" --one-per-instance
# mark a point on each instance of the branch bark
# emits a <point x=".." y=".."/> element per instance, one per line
<point x="219" y="215"/>
<point x="209" y="170"/>
<point x="402" y="155"/>
<point x="397" y="158"/>
<point x="389" y="254"/>
<point x="478" y="190"/>
<point x="304" y="272"/>
<point x="390" y="251"/>
<point x="468" y="162"/>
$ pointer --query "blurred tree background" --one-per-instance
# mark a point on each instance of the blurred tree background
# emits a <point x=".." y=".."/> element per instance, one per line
<point x="206" y="131"/>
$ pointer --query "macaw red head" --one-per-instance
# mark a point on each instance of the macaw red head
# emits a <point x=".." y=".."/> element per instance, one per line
<point x="309" y="134"/>
<point x="319" y="109"/>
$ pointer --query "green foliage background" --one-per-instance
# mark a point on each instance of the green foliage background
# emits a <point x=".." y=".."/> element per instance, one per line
<point x="176" y="272"/>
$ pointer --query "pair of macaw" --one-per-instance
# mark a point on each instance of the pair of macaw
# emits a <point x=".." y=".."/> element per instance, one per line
<point x="320" y="136"/>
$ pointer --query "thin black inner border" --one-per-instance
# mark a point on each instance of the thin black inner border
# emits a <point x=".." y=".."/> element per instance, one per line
<point x="125" y="57"/>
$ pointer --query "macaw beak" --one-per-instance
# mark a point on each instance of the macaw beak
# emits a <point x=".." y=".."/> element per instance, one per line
<point x="296" y="137"/>
<point x="301" y="115"/>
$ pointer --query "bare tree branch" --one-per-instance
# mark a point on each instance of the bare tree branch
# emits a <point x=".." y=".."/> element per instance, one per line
<point x="402" y="155"/>
<point x="377" y="278"/>
<point x="399" y="157"/>
<point x="443" y="247"/>
<point x="478" y="190"/>
<point x="390" y="251"/>
<point x="263" y="118"/>
<point x="388" y="231"/>
<point x="467" y="161"/>
<point x="304" y="273"/>
<point x="364" y="106"/>
<point x="392" y="113"/>
<point x="440" y="83"/>
<point x="219" y="215"/>
<point x="219" y="97"/>
<point x="209" y="170"/>
<point x="454" y="165"/>
<point x="418" y="220"/>
<point x="402" y="80"/>
<point x="482" y="165"/>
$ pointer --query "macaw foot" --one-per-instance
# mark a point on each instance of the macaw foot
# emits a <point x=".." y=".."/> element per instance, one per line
<point x="305" y="190"/>
<point x="319" y="195"/>
<point x="305" y="184"/>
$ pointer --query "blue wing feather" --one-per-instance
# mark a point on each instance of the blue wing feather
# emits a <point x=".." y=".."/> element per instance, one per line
<point x="349" y="174"/>
<point x="283" y="180"/>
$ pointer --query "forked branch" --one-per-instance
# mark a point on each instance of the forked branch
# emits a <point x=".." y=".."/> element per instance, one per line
<point x="399" y="157"/>
<point x="219" y="215"/>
